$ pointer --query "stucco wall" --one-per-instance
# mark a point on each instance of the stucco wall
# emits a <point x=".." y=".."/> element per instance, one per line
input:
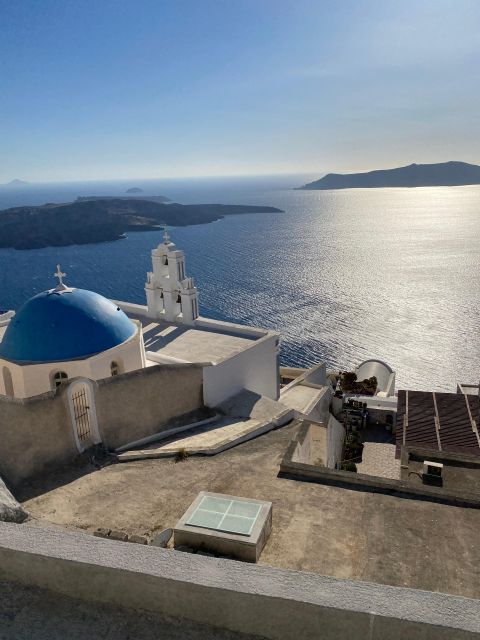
<point x="260" y="600"/>
<point x="137" y="404"/>
<point x="255" y="369"/>
<point x="320" y="411"/>
<point x="302" y="452"/>
<point x="335" y="438"/>
<point x="382" y="371"/>
<point x="300" y="449"/>
<point x="316" y="374"/>
<point x="314" y="405"/>
<point x="37" y="434"/>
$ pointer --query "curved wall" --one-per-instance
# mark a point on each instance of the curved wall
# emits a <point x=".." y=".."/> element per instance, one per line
<point x="381" y="370"/>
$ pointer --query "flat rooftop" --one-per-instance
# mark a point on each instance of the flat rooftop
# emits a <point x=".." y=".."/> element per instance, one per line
<point x="300" y="397"/>
<point x="191" y="344"/>
<point x="318" y="528"/>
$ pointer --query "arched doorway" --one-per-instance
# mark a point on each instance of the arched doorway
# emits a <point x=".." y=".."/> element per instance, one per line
<point x="81" y="400"/>
<point x="8" y="382"/>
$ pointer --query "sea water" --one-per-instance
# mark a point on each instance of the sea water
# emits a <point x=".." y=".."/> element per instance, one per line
<point x="342" y="275"/>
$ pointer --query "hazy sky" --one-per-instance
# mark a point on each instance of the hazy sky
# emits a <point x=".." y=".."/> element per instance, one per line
<point x="154" y="88"/>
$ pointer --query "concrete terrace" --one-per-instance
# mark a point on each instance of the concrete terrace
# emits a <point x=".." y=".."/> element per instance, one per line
<point x="241" y="418"/>
<point x="316" y="528"/>
<point x="378" y="458"/>
<point x="201" y="344"/>
<point x="301" y="398"/>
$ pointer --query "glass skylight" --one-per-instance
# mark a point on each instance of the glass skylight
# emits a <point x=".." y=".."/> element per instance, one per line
<point x="221" y="514"/>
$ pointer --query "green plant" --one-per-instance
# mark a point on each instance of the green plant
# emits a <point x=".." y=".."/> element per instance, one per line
<point x="352" y="438"/>
<point x="347" y="380"/>
<point x="353" y="447"/>
<point x="348" y="465"/>
<point x="370" y="385"/>
<point x="350" y="384"/>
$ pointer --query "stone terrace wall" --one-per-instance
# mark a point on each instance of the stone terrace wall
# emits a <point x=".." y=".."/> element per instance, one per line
<point x="36" y="434"/>
<point x="291" y="467"/>
<point x="138" y="404"/>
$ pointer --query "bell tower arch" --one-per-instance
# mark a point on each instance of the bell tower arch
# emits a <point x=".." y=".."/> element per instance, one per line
<point x="171" y="295"/>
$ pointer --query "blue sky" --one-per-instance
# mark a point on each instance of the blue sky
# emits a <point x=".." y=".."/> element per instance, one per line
<point x="153" y="88"/>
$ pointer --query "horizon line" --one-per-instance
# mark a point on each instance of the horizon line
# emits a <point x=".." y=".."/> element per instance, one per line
<point x="218" y="176"/>
<point x="149" y="179"/>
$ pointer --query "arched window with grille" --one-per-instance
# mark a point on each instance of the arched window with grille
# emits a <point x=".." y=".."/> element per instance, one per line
<point x="114" y="368"/>
<point x="58" y="378"/>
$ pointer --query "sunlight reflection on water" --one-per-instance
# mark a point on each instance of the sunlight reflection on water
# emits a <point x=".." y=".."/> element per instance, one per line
<point x="343" y="275"/>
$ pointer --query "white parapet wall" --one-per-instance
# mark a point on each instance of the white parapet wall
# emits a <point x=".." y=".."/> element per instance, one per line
<point x="335" y="438"/>
<point x="258" y="600"/>
<point x="254" y="368"/>
<point x="6" y="317"/>
<point x="237" y="329"/>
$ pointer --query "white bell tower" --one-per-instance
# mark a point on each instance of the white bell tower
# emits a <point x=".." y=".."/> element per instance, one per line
<point x="170" y="294"/>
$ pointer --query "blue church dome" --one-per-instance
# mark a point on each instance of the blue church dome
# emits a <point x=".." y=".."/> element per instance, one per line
<point x="64" y="325"/>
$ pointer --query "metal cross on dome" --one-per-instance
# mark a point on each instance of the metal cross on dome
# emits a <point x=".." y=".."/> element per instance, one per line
<point x="60" y="276"/>
<point x="166" y="235"/>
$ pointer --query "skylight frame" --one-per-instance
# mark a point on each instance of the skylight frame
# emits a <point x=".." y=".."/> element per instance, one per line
<point x="222" y="507"/>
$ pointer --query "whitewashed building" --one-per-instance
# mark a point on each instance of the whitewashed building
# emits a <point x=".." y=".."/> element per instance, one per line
<point x="67" y="333"/>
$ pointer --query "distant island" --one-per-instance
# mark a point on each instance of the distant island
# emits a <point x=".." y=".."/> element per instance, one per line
<point x="103" y="219"/>
<point x="443" y="174"/>
<point x="134" y="190"/>
<point x="136" y="197"/>
<point x="15" y="183"/>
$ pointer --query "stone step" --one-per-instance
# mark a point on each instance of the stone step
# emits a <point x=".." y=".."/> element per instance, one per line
<point x="225" y="434"/>
<point x="245" y="416"/>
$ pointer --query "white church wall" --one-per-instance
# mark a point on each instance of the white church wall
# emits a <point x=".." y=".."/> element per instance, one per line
<point x="35" y="379"/>
<point x="16" y="377"/>
<point x="5" y="379"/>
<point x="255" y="369"/>
<point x="130" y="356"/>
<point x="38" y="378"/>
